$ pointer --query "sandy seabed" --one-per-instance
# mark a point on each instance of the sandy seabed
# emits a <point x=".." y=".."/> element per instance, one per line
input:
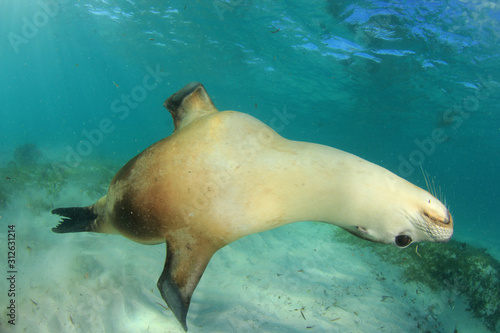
<point x="296" y="278"/>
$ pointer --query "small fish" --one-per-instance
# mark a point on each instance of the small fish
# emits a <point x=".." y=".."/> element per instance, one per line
<point x="8" y="178"/>
<point x="116" y="84"/>
<point x="273" y="32"/>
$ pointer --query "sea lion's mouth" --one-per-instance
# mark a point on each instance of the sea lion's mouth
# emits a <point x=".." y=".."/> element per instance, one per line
<point x="437" y="225"/>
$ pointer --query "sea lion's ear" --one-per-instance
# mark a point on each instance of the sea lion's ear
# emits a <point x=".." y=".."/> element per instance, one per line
<point x="188" y="104"/>
<point x="184" y="266"/>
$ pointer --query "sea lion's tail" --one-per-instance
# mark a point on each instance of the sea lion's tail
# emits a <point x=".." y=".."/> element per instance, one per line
<point x="75" y="219"/>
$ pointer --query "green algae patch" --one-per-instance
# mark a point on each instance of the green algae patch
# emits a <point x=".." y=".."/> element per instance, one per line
<point x="455" y="266"/>
<point x="37" y="185"/>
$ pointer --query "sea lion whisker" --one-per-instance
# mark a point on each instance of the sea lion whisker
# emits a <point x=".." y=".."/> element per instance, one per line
<point x="425" y="175"/>
<point x="430" y="184"/>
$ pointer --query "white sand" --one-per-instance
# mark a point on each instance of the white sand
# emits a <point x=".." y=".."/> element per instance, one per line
<point x="293" y="279"/>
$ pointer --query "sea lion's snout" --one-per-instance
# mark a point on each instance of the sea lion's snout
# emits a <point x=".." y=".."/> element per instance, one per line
<point x="437" y="223"/>
<point x="439" y="218"/>
<point x="448" y="219"/>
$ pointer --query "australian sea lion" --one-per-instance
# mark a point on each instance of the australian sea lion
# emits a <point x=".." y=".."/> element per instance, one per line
<point x="224" y="175"/>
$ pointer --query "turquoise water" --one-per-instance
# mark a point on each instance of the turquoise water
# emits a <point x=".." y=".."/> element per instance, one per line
<point x="408" y="85"/>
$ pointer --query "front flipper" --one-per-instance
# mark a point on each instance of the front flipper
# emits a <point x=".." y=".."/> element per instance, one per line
<point x="183" y="269"/>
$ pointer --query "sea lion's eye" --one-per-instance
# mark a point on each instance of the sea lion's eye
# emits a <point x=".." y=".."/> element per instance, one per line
<point x="403" y="241"/>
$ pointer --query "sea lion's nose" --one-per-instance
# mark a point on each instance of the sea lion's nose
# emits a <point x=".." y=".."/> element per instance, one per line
<point x="448" y="219"/>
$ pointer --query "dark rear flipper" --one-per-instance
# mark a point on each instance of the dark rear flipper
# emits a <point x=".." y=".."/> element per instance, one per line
<point x="75" y="219"/>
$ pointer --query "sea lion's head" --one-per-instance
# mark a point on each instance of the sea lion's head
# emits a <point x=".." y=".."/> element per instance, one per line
<point x="428" y="221"/>
<point x="402" y="215"/>
<point x="431" y="222"/>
